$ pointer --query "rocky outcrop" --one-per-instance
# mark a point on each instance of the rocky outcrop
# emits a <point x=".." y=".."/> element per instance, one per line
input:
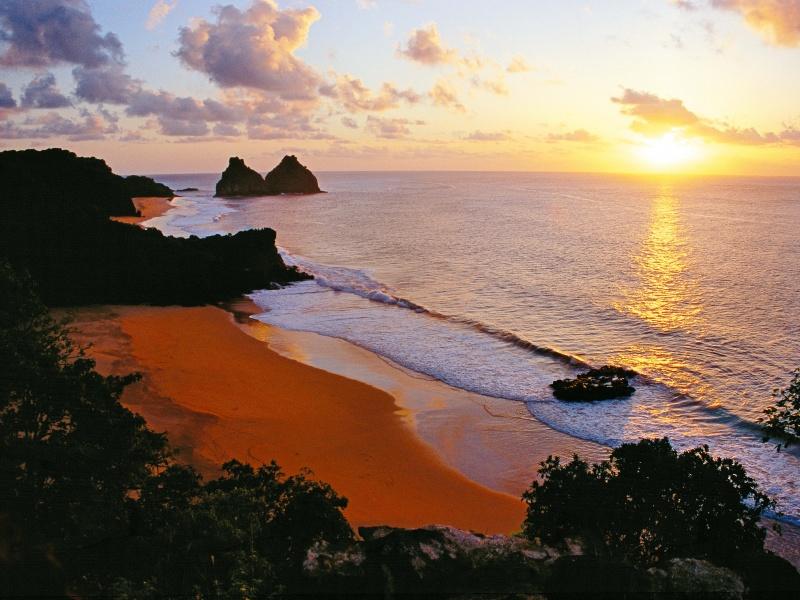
<point x="289" y="177"/>
<point x="445" y="562"/>
<point x="240" y="180"/>
<point x="139" y="186"/>
<point x="604" y="383"/>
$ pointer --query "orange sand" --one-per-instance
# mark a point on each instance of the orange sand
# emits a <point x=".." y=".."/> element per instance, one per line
<point x="149" y="208"/>
<point x="221" y="394"/>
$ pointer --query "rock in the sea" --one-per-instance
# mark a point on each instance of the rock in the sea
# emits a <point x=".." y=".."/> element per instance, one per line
<point x="290" y="177"/>
<point x="240" y="180"/>
<point x="189" y="189"/>
<point x="604" y="383"/>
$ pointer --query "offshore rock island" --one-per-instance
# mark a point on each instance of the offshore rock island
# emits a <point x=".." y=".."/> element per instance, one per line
<point x="289" y="177"/>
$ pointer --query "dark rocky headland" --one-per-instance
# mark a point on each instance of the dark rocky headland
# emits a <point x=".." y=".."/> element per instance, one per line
<point x="56" y="225"/>
<point x="289" y="177"/>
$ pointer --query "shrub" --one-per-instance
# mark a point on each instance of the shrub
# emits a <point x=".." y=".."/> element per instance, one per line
<point x="648" y="503"/>
<point x="782" y="420"/>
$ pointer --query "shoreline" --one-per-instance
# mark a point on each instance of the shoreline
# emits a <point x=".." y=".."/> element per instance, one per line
<point x="221" y="394"/>
<point x="149" y="207"/>
<point x="441" y="430"/>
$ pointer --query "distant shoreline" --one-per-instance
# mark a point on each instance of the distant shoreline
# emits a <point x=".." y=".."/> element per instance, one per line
<point x="148" y="207"/>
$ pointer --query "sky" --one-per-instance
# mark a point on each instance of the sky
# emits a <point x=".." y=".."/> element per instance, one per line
<point x="629" y="86"/>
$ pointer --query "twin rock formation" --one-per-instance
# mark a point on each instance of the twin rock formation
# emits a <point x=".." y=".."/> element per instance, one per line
<point x="289" y="177"/>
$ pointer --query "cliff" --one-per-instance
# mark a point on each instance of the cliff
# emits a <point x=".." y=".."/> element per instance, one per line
<point x="289" y="177"/>
<point x="56" y="208"/>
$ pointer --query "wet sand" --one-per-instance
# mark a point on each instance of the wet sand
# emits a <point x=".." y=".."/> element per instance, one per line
<point x="220" y="393"/>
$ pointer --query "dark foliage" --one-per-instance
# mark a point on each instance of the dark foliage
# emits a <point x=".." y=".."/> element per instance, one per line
<point x="56" y="226"/>
<point x="648" y="504"/>
<point x="782" y="420"/>
<point x="604" y="383"/>
<point x="89" y="499"/>
<point x="70" y="453"/>
<point x="140" y="187"/>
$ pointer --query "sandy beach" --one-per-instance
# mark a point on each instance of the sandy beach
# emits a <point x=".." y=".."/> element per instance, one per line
<point x="148" y="207"/>
<point x="221" y="394"/>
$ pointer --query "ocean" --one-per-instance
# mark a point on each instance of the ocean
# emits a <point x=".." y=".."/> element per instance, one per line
<point x="499" y="283"/>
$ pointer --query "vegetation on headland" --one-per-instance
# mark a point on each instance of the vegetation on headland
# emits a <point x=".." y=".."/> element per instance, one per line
<point x="94" y="503"/>
<point x="56" y="225"/>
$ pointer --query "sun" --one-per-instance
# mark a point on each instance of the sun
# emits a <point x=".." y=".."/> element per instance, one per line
<point x="669" y="151"/>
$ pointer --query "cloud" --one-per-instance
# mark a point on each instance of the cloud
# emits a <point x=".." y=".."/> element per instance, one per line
<point x="390" y="128"/>
<point x="366" y="4"/>
<point x="425" y="47"/>
<point x="226" y="130"/>
<point x="518" y="64"/>
<point x="104" y="84"/>
<point x="253" y="48"/>
<point x="444" y="94"/>
<point x="684" y="4"/>
<point x="654" y="115"/>
<point x="92" y="127"/>
<point x="40" y="33"/>
<point x="6" y="97"/>
<point x="159" y="12"/>
<point x="778" y="21"/>
<point x="487" y="136"/>
<point x="577" y="135"/>
<point x="42" y="92"/>
<point x="356" y="97"/>
<point x="182" y="127"/>
<point x="495" y="86"/>
<point x="350" y="123"/>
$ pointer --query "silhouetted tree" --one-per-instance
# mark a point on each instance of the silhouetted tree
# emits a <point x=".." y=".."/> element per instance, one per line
<point x="782" y="420"/>
<point x="648" y="503"/>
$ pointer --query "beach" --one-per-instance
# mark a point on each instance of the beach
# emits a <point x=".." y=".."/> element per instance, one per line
<point x="221" y="394"/>
<point x="148" y="207"/>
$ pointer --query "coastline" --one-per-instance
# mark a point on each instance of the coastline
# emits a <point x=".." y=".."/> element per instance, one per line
<point x="222" y="394"/>
<point x="399" y="461"/>
<point x="149" y="207"/>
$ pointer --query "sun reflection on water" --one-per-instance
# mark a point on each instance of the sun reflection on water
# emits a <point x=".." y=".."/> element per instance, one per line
<point x="666" y="297"/>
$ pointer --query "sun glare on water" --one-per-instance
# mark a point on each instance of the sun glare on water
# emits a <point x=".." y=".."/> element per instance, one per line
<point x="669" y="151"/>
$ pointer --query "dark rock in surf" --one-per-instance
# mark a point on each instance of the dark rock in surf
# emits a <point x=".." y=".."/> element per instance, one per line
<point x="240" y="180"/>
<point x="290" y="177"/>
<point x="189" y="189"/>
<point x="604" y="383"/>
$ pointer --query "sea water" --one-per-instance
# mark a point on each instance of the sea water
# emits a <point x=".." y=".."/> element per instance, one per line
<point x="499" y="283"/>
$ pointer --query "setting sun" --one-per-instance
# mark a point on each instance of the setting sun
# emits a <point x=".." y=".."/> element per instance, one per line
<point x="670" y="150"/>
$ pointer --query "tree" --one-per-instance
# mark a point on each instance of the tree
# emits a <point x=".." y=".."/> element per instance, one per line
<point x="244" y="534"/>
<point x="782" y="420"/>
<point x="648" y="503"/>
<point x="70" y="453"/>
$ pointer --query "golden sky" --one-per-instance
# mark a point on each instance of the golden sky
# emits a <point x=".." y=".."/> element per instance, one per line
<point x="684" y="86"/>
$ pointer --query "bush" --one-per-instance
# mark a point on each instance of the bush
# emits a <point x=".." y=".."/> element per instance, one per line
<point x="782" y="421"/>
<point x="91" y="501"/>
<point x="648" y="503"/>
